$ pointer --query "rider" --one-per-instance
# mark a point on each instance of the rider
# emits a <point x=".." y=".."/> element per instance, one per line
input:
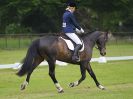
<point x="70" y="26"/>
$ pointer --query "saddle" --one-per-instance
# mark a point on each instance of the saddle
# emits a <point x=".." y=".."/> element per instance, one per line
<point x="70" y="44"/>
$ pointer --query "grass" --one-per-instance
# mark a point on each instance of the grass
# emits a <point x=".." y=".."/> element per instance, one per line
<point x="116" y="50"/>
<point x="115" y="76"/>
<point x="12" y="56"/>
<point x="15" y="42"/>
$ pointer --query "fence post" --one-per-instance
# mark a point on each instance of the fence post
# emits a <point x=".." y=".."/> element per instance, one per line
<point x="19" y="41"/>
<point x="6" y="41"/>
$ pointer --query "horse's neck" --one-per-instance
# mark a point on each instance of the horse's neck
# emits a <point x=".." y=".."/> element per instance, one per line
<point x="92" y="37"/>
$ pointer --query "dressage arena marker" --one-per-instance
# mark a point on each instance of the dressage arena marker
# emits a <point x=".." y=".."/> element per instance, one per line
<point x="99" y="60"/>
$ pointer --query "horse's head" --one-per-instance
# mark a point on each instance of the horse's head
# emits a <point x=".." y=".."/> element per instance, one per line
<point x="101" y="43"/>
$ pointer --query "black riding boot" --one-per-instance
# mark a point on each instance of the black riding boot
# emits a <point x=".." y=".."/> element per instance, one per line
<point x="75" y="56"/>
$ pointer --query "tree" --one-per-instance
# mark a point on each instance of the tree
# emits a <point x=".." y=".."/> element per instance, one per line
<point x="110" y="13"/>
<point x="40" y="15"/>
<point x="46" y="15"/>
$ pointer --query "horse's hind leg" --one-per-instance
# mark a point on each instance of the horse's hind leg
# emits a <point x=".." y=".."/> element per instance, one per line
<point x="51" y="63"/>
<point x="36" y="62"/>
<point x="90" y="71"/>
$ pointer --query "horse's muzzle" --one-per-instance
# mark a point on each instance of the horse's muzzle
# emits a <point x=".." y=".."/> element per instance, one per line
<point x="103" y="52"/>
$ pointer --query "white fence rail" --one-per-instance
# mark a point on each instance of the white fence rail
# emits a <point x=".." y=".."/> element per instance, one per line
<point x="100" y="60"/>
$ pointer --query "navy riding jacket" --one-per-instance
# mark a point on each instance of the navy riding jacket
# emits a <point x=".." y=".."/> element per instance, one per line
<point x="69" y="23"/>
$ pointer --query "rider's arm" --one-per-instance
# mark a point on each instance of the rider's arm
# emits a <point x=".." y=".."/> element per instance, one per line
<point x="75" y="22"/>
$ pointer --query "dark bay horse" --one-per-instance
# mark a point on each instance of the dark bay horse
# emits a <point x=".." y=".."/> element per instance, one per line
<point x="52" y="48"/>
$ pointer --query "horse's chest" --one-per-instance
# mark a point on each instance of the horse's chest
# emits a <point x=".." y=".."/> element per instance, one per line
<point x="85" y="55"/>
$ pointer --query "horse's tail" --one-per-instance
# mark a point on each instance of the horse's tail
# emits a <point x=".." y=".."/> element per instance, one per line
<point x="29" y="59"/>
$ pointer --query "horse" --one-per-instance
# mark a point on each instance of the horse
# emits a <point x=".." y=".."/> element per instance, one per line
<point x="52" y="48"/>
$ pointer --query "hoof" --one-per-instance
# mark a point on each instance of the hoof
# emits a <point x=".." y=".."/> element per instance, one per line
<point x="71" y="85"/>
<point x="74" y="84"/>
<point x="101" y="87"/>
<point x="22" y="87"/>
<point x="61" y="91"/>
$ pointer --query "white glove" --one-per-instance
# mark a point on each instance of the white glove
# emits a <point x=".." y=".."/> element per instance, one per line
<point x="78" y="31"/>
<point x="82" y="31"/>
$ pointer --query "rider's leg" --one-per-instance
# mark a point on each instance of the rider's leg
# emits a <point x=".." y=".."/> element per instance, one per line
<point x="75" y="56"/>
<point x="78" y="42"/>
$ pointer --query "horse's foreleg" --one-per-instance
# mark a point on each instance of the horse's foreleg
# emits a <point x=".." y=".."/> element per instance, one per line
<point x="90" y="71"/>
<point x="52" y="75"/>
<point x="83" y="75"/>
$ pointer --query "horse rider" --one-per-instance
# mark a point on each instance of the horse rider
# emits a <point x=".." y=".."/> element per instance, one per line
<point x="70" y="27"/>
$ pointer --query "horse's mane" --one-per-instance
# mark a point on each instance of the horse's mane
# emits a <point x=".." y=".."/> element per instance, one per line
<point x="93" y="36"/>
<point x="87" y="34"/>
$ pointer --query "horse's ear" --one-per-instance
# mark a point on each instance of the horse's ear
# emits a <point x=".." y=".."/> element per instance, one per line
<point x="108" y="34"/>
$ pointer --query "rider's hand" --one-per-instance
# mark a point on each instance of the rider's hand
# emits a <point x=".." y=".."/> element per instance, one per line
<point x="82" y="31"/>
<point x="78" y="31"/>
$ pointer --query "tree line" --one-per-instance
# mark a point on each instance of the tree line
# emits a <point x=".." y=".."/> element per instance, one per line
<point x="43" y="16"/>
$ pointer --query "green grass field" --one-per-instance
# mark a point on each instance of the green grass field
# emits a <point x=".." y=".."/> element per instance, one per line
<point x="115" y="76"/>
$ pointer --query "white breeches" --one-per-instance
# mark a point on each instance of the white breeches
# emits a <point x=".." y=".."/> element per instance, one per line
<point x="74" y="37"/>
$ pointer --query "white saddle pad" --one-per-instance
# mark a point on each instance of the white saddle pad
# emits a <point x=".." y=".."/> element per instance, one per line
<point x="71" y="45"/>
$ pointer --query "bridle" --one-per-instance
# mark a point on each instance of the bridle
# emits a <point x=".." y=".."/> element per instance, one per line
<point x="101" y="47"/>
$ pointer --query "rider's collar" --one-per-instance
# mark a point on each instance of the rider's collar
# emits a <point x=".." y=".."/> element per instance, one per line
<point x="69" y="10"/>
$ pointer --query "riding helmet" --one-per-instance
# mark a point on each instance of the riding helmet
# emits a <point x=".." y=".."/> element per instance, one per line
<point x="72" y="4"/>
